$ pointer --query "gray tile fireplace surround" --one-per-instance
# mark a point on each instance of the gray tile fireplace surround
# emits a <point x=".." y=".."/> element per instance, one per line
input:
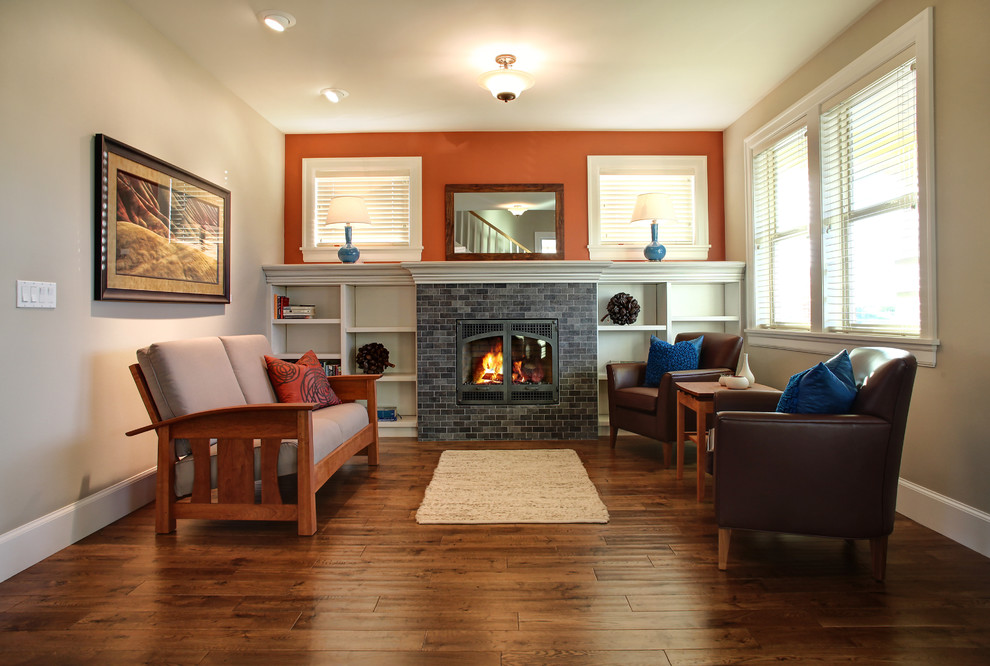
<point x="439" y="306"/>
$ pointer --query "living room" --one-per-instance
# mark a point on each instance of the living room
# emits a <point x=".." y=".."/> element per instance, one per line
<point x="75" y="69"/>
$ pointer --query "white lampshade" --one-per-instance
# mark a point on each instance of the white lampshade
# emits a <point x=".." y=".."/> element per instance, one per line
<point x="653" y="206"/>
<point x="348" y="210"/>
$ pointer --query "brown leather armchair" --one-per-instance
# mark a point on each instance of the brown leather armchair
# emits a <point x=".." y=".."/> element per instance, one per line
<point x="832" y="475"/>
<point x="651" y="411"/>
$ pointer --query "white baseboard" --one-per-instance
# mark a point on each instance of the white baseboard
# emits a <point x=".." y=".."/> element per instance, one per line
<point x="958" y="521"/>
<point x="34" y="541"/>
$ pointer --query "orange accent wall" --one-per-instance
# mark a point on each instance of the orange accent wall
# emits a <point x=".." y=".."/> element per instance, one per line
<point x="503" y="157"/>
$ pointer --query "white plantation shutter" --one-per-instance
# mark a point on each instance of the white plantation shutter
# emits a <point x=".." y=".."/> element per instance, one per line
<point x="870" y="208"/>
<point x="392" y="190"/>
<point x="782" y="248"/>
<point x="618" y="194"/>
<point x="868" y="257"/>
<point x="614" y="182"/>
<point x="386" y="196"/>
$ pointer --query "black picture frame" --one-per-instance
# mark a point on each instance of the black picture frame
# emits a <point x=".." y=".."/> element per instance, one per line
<point x="162" y="233"/>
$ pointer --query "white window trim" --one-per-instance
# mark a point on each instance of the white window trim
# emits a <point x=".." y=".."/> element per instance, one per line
<point x="414" y="165"/>
<point x="695" y="165"/>
<point x="917" y="33"/>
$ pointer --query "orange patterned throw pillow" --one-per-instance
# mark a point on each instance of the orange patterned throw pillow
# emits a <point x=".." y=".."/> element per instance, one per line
<point x="302" y="381"/>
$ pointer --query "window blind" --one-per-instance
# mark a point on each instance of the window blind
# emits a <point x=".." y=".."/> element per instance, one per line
<point x="617" y="196"/>
<point x="781" y="213"/>
<point x="386" y="196"/>
<point x="871" y="248"/>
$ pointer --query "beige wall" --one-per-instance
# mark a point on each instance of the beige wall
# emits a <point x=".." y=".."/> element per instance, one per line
<point x="948" y="445"/>
<point x="68" y="70"/>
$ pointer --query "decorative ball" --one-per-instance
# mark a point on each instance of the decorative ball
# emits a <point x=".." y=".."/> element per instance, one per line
<point x="622" y="309"/>
<point x="372" y="358"/>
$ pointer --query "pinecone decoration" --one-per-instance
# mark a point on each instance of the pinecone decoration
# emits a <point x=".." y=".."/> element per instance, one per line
<point x="622" y="309"/>
<point x="373" y="358"/>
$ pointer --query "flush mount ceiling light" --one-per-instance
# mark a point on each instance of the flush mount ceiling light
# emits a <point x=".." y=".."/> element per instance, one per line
<point x="506" y="84"/>
<point x="517" y="209"/>
<point x="334" y="94"/>
<point x="277" y="20"/>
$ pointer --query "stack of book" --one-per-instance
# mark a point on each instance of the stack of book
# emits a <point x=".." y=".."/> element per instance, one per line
<point x="280" y="303"/>
<point x="332" y="369"/>
<point x="388" y="413"/>
<point x="298" y="312"/>
<point x="285" y="311"/>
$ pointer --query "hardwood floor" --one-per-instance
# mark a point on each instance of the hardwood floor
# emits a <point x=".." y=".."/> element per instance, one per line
<point x="373" y="587"/>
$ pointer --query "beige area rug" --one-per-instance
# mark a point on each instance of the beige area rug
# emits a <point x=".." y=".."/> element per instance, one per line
<point x="511" y="486"/>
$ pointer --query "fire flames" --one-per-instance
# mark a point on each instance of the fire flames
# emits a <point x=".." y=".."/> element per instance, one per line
<point x="488" y="368"/>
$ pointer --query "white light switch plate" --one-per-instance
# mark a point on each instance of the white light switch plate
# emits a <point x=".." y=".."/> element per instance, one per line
<point x="35" y="294"/>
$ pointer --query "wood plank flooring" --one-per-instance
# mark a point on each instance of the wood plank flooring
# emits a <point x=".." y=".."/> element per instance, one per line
<point x="373" y="587"/>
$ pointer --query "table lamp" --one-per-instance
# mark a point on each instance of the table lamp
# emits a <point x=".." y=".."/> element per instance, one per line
<point x="351" y="212"/>
<point x="652" y="208"/>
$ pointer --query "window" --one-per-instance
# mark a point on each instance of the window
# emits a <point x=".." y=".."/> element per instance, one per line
<point x="840" y="214"/>
<point x="391" y="188"/>
<point x="870" y="208"/>
<point x="614" y="181"/>
<point x="782" y="246"/>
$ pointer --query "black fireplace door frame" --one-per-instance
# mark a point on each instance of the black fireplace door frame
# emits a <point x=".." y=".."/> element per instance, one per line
<point x="507" y="393"/>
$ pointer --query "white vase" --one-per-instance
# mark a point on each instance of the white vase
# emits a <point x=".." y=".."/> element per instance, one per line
<point x="743" y="369"/>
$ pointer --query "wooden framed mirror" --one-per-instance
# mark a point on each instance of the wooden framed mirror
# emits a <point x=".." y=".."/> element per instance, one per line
<point x="504" y="222"/>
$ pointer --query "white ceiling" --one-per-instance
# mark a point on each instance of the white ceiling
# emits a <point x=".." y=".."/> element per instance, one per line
<point x="412" y="65"/>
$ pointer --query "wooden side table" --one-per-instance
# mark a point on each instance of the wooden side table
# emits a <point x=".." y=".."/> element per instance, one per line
<point x="699" y="397"/>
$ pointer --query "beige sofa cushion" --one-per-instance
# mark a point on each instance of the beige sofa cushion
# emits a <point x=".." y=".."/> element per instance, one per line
<point x="187" y="376"/>
<point x="247" y="359"/>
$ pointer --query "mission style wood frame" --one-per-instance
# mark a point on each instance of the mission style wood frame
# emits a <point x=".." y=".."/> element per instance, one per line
<point x="114" y="160"/>
<point x="557" y="188"/>
<point x="234" y="431"/>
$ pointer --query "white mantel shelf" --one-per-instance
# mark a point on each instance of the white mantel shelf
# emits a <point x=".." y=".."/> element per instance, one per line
<point x="328" y="274"/>
<point x="459" y="272"/>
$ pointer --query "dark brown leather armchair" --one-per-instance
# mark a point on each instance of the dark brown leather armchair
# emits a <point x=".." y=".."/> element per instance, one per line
<point x="832" y="475"/>
<point x="651" y="411"/>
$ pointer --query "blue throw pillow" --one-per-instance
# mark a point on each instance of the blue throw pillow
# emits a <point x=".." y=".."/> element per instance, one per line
<point x="665" y="357"/>
<point x="820" y="390"/>
<point x="841" y="367"/>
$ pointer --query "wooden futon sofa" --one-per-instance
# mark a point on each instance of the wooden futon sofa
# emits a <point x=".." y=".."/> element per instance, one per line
<point x="210" y="399"/>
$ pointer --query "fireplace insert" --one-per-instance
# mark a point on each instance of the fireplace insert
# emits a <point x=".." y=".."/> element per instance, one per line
<point x="507" y="361"/>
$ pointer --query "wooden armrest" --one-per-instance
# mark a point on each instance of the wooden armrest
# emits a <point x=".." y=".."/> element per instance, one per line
<point x="239" y="418"/>
<point x="353" y="387"/>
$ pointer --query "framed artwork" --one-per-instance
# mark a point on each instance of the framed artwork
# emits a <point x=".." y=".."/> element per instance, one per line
<point x="162" y="234"/>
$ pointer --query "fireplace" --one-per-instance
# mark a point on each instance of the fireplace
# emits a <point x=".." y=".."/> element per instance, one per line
<point x="507" y="362"/>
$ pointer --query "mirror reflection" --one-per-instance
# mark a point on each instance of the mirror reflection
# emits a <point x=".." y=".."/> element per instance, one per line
<point x="504" y="221"/>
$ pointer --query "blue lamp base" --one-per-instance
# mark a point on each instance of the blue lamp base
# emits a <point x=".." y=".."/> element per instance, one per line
<point x="348" y="254"/>
<point x="654" y="251"/>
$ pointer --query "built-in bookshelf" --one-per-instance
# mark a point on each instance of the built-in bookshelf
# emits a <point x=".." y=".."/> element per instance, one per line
<point x="353" y="305"/>
<point x="357" y="304"/>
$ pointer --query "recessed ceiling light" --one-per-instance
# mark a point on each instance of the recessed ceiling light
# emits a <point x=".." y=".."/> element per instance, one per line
<point x="277" y="20"/>
<point x="334" y="94"/>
